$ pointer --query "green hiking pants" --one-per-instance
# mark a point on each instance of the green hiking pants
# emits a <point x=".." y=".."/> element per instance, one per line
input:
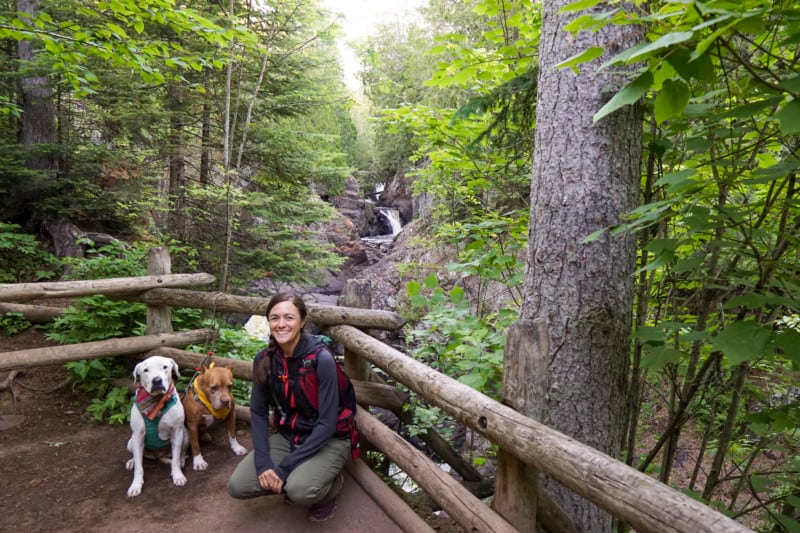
<point x="311" y="482"/>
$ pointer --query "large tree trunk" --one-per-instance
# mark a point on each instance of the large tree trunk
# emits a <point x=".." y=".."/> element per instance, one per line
<point x="38" y="110"/>
<point x="585" y="176"/>
<point x="37" y="132"/>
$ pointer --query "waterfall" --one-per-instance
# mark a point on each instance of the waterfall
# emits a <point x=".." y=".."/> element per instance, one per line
<point x="392" y="216"/>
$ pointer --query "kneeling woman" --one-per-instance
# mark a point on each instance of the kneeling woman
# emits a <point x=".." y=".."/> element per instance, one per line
<point x="302" y="460"/>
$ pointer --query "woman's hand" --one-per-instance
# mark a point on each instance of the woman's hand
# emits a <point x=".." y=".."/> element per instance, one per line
<point x="269" y="480"/>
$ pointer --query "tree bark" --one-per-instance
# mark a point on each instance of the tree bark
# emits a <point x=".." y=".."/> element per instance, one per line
<point x="177" y="161"/>
<point x="38" y="127"/>
<point x="585" y="178"/>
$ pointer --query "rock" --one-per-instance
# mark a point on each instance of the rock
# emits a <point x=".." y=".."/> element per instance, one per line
<point x="354" y="207"/>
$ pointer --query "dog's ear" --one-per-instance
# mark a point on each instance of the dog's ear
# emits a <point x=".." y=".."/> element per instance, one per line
<point x="136" y="373"/>
<point x="175" y="369"/>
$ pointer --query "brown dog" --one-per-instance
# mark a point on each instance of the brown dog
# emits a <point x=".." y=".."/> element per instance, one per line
<point x="208" y="401"/>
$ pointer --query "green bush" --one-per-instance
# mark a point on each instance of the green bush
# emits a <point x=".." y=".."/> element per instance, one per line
<point x="13" y="323"/>
<point x="22" y="259"/>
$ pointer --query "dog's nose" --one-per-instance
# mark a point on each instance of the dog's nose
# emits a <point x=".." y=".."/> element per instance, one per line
<point x="226" y="403"/>
<point x="157" y="384"/>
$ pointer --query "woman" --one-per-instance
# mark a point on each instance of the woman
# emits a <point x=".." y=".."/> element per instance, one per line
<point x="303" y="458"/>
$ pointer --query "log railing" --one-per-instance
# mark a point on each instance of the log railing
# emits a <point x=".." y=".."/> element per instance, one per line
<point x="633" y="497"/>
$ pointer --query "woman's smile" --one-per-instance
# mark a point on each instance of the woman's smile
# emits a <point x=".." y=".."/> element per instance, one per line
<point x="286" y="325"/>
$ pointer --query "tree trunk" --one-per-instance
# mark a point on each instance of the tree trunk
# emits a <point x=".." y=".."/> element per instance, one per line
<point x="37" y="131"/>
<point x="177" y="162"/>
<point x="585" y="177"/>
<point x="38" y="110"/>
<point x="205" y="140"/>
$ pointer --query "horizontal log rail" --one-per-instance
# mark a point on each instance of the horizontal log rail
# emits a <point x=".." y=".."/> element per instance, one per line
<point x="639" y="500"/>
<point x="322" y="315"/>
<point x="384" y="396"/>
<point x="94" y="350"/>
<point x="112" y="286"/>
<point x="35" y="314"/>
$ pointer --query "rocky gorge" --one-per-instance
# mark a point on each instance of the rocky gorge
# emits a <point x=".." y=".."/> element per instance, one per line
<point x="361" y="232"/>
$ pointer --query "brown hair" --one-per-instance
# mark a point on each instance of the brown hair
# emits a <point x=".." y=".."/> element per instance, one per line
<point x="262" y="369"/>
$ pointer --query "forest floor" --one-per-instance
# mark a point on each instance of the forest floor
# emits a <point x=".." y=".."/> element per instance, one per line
<point x="62" y="472"/>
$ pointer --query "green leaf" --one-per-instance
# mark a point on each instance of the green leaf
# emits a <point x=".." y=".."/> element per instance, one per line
<point x="789" y="118"/>
<point x="791" y="84"/>
<point x="788" y="342"/>
<point x="413" y="287"/>
<point x="688" y="264"/>
<point x="700" y="68"/>
<point x="629" y="95"/>
<point x="587" y="55"/>
<point x="418" y="300"/>
<point x="660" y="356"/>
<point x="637" y="53"/>
<point x="742" y="341"/>
<point x="594" y="236"/>
<point x="753" y="300"/>
<point x="456" y="295"/>
<point x="580" y="5"/>
<point x="789" y="524"/>
<point x="650" y="334"/>
<point x="671" y="100"/>
<point x="677" y="181"/>
<point x="431" y="281"/>
<point x="476" y="381"/>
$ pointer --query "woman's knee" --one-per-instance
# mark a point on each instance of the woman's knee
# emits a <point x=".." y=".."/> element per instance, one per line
<point x="235" y="489"/>
<point x="243" y="482"/>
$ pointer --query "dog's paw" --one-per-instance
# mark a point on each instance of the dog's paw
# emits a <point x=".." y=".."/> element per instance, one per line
<point x="198" y="463"/>
<point x="178" y="479"/>
<point x="135" y="489"/>
<point x="129" y="466"/>
<point x="238" y="449"/>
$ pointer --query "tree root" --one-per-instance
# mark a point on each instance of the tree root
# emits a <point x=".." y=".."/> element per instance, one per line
<point x="8" y="384"/>
<point x="11" y="380"/>
<point x="63" y="383"/>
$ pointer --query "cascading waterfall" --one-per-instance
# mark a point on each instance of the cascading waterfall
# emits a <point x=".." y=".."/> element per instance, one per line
<point x="392" y="216"/>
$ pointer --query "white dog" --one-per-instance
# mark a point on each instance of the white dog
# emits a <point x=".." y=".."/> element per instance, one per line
<point x="157" y="419"/>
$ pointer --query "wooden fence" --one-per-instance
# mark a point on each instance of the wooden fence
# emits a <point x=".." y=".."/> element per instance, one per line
<point x="526" y="447"/>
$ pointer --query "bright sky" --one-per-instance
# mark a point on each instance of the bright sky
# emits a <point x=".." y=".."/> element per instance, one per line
<point x="361" y="16"/>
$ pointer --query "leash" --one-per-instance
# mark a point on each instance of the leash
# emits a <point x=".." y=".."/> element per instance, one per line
<point x="208" y="360"/>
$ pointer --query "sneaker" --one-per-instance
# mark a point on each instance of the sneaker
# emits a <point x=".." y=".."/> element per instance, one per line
<point x="319" y="512"/>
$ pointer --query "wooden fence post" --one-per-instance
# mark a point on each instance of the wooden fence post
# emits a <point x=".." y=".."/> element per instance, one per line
<point x="524" y="389"/>
<point x="356" y="293"/>
<point x="159" y="318"/>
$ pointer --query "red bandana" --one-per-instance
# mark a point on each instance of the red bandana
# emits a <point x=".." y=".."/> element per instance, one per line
<point x="151" y="405"/>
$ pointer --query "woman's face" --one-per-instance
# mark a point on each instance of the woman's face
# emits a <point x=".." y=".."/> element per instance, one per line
<point x="285" y="325"/>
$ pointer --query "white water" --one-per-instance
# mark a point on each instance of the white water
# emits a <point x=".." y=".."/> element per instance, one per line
<point x="392" y="216"/>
